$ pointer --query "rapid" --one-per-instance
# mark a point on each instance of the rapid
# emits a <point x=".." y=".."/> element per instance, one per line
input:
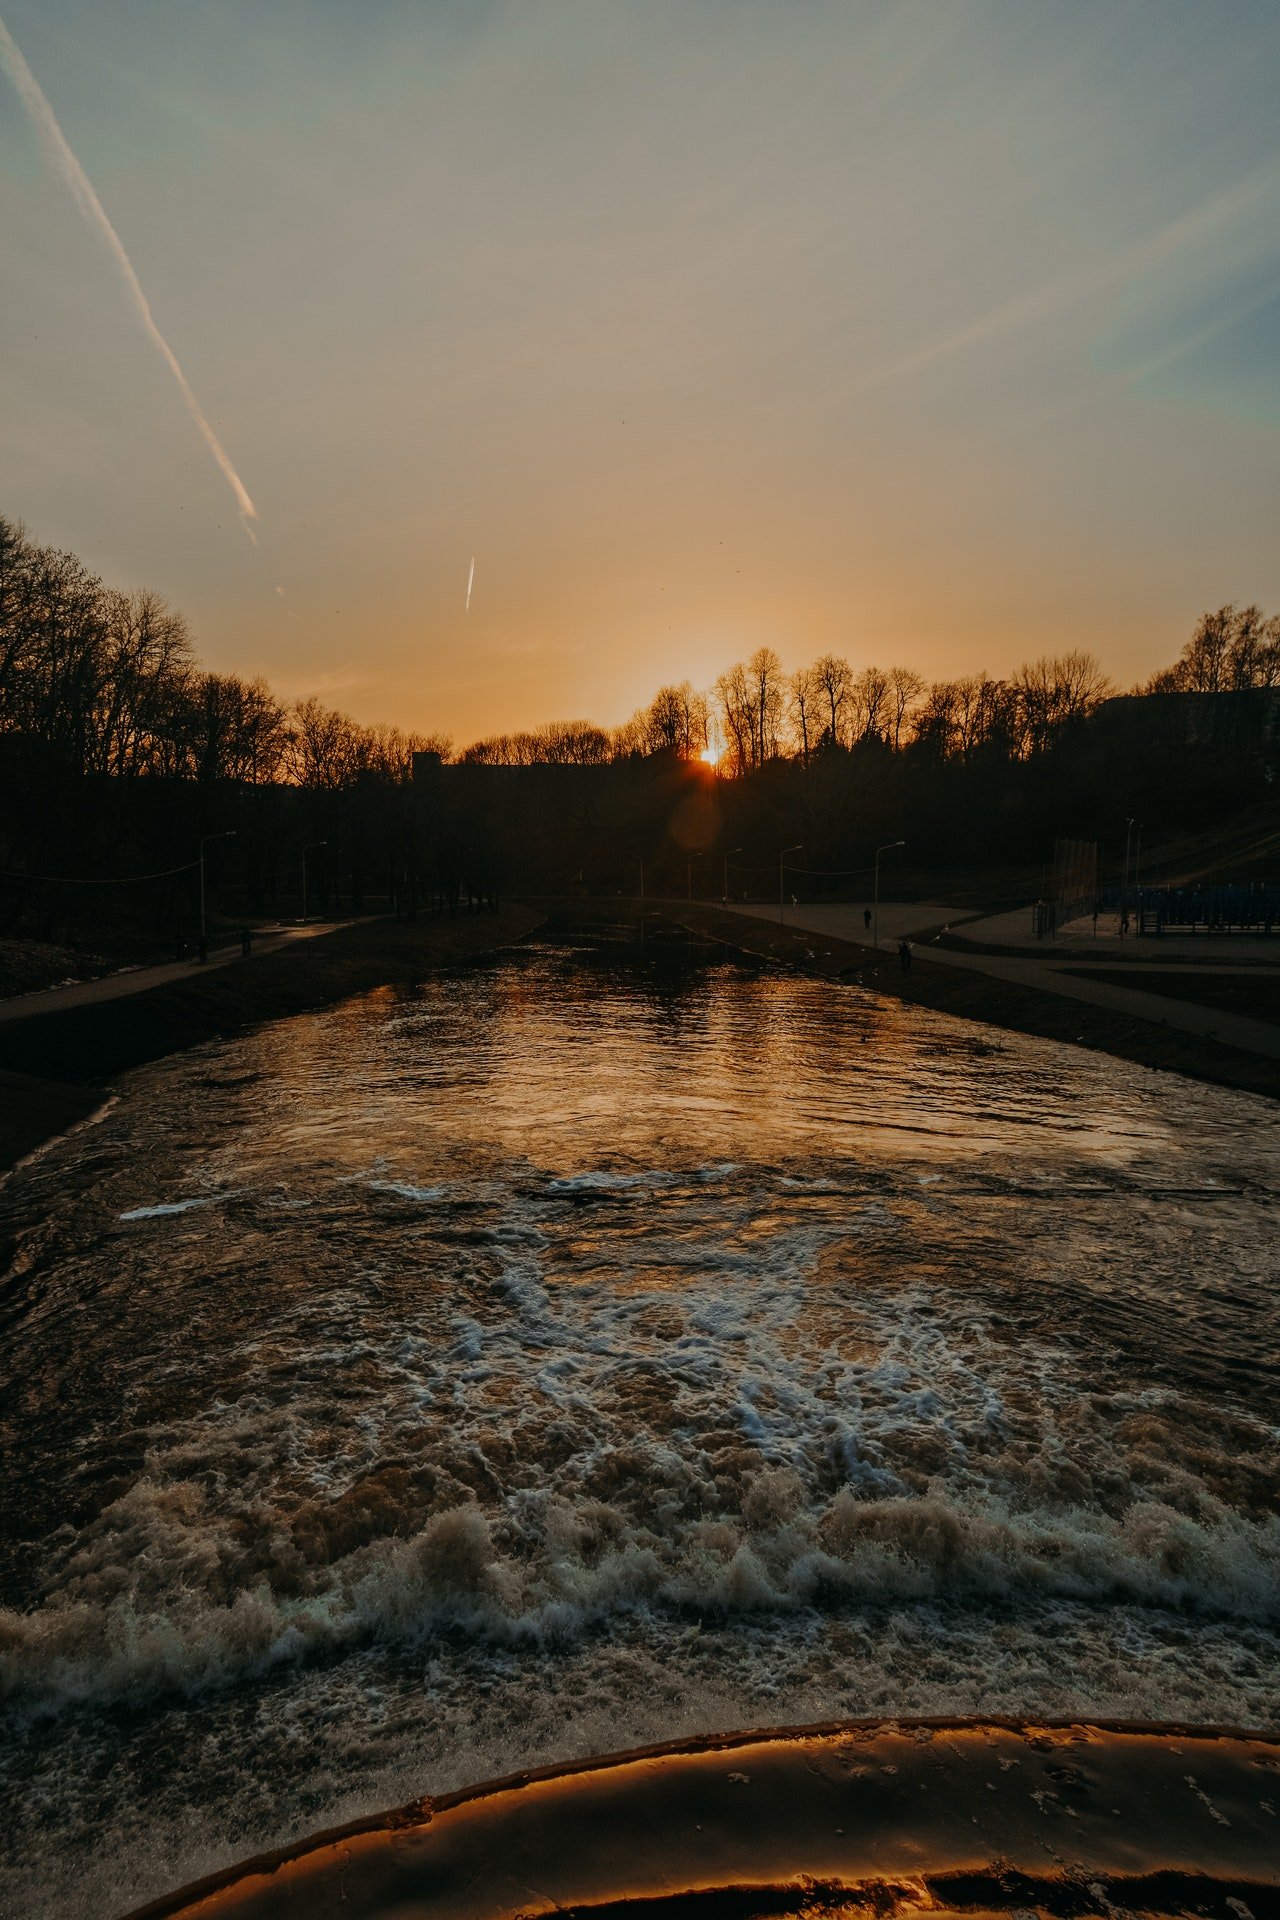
<point x="573" y="1352"/>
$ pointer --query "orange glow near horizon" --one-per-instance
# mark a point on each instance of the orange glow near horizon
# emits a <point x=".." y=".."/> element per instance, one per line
<point x="1015" y="398"/>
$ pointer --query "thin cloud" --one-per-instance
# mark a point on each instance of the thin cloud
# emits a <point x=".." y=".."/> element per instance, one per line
<point x="1247" y="206"/>
<point x="64" y="163"/>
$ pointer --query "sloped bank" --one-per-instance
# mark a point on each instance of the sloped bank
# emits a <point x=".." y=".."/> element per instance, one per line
<point x="54" y="1067"/>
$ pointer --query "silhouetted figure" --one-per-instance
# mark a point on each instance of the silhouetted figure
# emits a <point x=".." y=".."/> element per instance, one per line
<point x="904" y="955"/>
<point x="866" y="919"/>
<point x="246" y="942"/>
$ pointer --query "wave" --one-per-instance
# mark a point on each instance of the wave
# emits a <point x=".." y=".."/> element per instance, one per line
<point x="141" y="1613"/>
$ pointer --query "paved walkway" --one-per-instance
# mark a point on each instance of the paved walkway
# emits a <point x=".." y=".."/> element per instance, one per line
<point x="1041" y="970"/>
<point x="131" y="980"/>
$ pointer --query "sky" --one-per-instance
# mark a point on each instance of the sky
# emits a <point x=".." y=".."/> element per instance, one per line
<point x="940" y="334"/>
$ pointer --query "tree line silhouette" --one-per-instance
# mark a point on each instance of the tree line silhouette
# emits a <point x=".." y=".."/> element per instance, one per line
<point x="118" y="752"/>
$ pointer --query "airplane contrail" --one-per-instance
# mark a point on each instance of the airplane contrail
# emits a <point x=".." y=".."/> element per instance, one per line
<point x="73" y="174"/>
<point x="470" y="578"/>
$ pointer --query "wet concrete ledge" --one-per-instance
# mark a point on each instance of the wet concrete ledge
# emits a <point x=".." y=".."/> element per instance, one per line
<point x="55" y="1065"/>
<point x="878" y="1819"/>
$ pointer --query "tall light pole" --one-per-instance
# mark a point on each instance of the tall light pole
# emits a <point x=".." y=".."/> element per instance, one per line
<point x="798" y="848"/>
<point x="888" y="847"/>
<point x="725" y="895"/>
<point x="310" y="848"/>
<point x="688" y="873"/>
<point x="1124" y="891"/>
<point x="230" y="834"/>
<point x="1137" y="869"/>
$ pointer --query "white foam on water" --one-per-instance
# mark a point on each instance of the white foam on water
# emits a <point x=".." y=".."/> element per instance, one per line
<point x="733" y="1438"/>
<point x="171" y="1206"/>
<point x="405" y="1191"/>
<point x="601" y="1180"/>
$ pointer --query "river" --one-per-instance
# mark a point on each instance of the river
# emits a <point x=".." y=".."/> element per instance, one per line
<point x="572" y="1352"/>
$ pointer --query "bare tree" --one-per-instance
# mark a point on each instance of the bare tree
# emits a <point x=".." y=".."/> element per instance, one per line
<point x="834" y="682"/>
<point x="905" y="689"/>
<point x="1055" y="691"/>
<point x="735" y="691"/>
<point x="770" y="702"/>
<point x="149" y="667"/>
<point x="1233" y="650"/>
<point x="806" y="698"/>
<point x="675" y="721"/>
<point x="935" y="729"/>
<point x="322" y="749"/>
<point x="869" y="702"/>
<point x="554" y="743"/>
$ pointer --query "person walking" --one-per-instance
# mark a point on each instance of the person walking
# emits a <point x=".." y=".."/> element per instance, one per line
<point x="904" y="955"/>
<point x="866" y="919"/>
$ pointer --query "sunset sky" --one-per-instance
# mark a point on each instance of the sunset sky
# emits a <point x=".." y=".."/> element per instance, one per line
<point x="938" y="333"/>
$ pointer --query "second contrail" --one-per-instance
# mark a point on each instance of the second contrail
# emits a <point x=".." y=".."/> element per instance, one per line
<point x="66" y="164"/>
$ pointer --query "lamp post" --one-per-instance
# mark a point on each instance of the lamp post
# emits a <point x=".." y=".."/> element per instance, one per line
<point x="229" y="835"/>
<point x="1124" y="891"/>
<point x="798" y="848"/>
<point x="1137" y="883"/>
<point x="725" y="895"/>
<point x="888" y="847"/>
<point x="688" y="873"/>
<point x="310" y="848"/>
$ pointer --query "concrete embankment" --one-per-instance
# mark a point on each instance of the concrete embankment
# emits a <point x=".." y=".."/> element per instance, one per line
<point x="845" y="1820"/>
<point x="55" y="1063"/>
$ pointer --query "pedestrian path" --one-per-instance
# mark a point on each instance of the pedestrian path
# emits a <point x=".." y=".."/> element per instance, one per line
<point x="131" y="980"/>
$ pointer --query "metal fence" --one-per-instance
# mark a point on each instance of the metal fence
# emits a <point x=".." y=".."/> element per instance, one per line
<point x="1246" y="907"/>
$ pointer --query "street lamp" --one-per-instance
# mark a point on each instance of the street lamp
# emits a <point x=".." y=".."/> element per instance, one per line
<point x="311" y="848"/>
<point x="725" y="895"/>
<point x="688" y="873"/>
<point x="1137" y="882"/>
<point x="1124" y="891"/>
<point x="888" y="847"/>
<point x="230" y="834"/>
<point x="798" y="848"/>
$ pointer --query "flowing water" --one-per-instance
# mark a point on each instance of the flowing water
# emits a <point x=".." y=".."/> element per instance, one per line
<point x="568" y="1354"/>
